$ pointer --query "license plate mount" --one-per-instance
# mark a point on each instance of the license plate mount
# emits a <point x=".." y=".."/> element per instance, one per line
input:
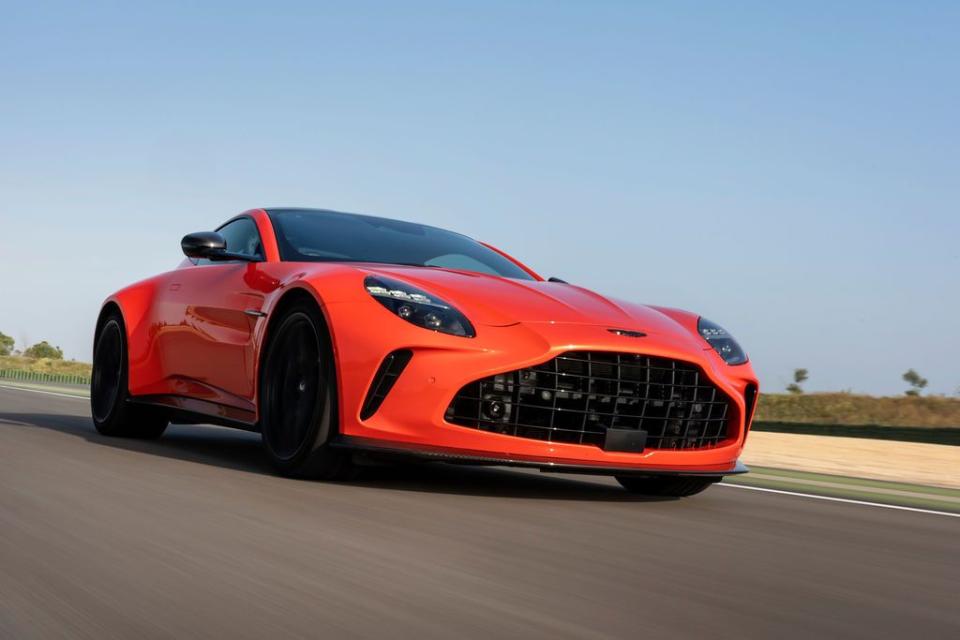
<point x="625" y="440"/>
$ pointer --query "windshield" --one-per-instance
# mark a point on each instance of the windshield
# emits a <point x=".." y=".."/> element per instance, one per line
<point x="311" y="235"/>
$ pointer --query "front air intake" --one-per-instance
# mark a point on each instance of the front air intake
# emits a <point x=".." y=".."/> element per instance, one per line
<point x="383" y="381"/>
<point x="577" y="396"/>
<point x="749" y="401"/>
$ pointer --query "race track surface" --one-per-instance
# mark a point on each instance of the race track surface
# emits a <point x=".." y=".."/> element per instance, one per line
<point x="193" y="536"/>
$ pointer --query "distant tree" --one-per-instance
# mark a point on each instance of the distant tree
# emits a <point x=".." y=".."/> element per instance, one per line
<point x="44" y="350"/>
<point x="6" y="344"/>
<point x="799" y="377"/>
<point x="916" y="382"/>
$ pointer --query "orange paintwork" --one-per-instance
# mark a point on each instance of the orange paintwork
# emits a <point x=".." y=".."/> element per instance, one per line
<point x="190" y="337"/>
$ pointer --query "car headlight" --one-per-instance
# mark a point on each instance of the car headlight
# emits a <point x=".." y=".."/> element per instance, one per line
<point x="722" y="342"/>
<point x="418" y="307"/>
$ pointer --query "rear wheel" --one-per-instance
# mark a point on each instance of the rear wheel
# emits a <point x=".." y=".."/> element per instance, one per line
<point x="678" y="486"/>
<point x="298" y="391"/>
<point x="113" y="414"/>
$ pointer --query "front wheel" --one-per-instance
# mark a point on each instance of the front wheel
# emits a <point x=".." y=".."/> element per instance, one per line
<point x="113" y="414"/>
<point x="667" y="486"/>
<point x="298" y="391"/>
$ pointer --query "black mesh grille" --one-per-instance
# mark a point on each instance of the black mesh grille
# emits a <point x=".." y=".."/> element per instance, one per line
<point x="578" y="395"/>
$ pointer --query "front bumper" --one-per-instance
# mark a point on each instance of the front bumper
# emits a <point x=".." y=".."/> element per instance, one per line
<point x="427" y="453"/>
<point x="411" y="419"/>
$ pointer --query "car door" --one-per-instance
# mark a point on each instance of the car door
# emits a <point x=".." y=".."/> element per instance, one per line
<point x="210" y="354"/>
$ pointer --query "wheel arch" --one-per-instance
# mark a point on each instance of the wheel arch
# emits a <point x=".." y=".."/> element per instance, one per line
<point x="290" y="297"/>
<point x="294" y="294"/>
<point x="109" y="308"/>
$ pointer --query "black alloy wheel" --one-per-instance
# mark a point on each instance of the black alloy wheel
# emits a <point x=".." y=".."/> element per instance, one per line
<point x="298" y="413"/>
<point x="107" y="371"/>
<point x="113" y="413"/>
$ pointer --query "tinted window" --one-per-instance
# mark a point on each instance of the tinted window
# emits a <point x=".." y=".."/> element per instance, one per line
<point x="242" y="237"/>
<point x="305" y="235"/>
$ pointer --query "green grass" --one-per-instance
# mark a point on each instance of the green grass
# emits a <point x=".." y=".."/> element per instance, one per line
<point x="883" y="492"/>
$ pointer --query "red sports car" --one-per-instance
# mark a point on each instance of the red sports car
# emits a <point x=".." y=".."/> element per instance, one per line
<point x="336" y="335"/>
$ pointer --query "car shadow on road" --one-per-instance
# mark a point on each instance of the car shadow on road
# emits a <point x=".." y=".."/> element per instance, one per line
<point x="241" y="451"/>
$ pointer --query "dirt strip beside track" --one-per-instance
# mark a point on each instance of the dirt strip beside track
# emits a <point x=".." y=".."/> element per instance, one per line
<point x="928" y="464"/>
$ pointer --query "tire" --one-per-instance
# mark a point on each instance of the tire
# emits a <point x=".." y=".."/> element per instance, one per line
<point x="667" y="486"/>
<point x="113" y="413"/>
<point x="298" y="396"/>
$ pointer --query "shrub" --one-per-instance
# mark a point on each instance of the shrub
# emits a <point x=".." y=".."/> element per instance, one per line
<point x="44" y="350"/>
<point x="6" y="344"/>
<point x="916" y="381"/>
<point x="799" y="377"/>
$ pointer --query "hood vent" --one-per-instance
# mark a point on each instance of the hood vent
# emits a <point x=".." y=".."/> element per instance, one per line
<point x="627" y="333"/>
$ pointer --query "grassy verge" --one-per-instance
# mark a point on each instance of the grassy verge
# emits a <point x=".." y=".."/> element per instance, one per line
<point x="929" y="435"/>
<point x="929" y="419"/>
<point x="894" y="493"/>
<point x="851" y="409"/>
<point x="44" y="369"/>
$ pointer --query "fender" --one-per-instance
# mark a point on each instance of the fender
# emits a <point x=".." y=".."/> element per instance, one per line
<point x="134" y="303"/>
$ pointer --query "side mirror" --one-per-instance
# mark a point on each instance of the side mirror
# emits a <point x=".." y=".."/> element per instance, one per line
<point x="203" y="244"/>
<point x="552" y="279"/>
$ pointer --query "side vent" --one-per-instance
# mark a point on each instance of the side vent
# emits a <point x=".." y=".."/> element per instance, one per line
<point x="749" y="400"/>
<point x="386" y="376"/>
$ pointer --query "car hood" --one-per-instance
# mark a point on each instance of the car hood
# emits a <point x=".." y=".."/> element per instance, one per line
<point x="495" y="301"/>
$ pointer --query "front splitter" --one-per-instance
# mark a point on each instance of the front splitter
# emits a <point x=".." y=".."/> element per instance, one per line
<point x="437" y="454"/>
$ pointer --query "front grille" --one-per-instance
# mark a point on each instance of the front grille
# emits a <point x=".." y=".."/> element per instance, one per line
<point x="578" y="395"/>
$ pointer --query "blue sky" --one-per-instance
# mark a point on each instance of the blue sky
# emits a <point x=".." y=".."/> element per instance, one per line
<point x="789" y="170"/>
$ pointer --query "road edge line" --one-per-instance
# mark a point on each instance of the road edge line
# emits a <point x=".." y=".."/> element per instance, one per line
<point x="844" y="500"/>
<point x="49" y="393"/>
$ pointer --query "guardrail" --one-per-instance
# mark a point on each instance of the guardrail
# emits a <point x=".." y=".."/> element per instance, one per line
<point x="48" y="378"/>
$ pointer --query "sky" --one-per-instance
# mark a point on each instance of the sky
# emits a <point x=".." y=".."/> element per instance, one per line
<point x="788" y="170"/>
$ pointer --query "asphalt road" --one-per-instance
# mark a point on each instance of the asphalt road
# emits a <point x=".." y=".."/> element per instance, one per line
<point x="192" y="536"/>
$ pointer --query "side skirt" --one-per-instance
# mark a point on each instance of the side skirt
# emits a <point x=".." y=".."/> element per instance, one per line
<point x="184" y="410"/>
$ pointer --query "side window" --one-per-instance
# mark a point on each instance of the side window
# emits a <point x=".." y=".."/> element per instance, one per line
<point x="242" y="236"/>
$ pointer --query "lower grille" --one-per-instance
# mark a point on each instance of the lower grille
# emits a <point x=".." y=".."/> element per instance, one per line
<point x="578" y="395"/>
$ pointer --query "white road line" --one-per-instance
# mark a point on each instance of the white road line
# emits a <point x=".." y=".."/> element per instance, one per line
<point x="845" y="500"/>
<point x="49" y="393"/>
